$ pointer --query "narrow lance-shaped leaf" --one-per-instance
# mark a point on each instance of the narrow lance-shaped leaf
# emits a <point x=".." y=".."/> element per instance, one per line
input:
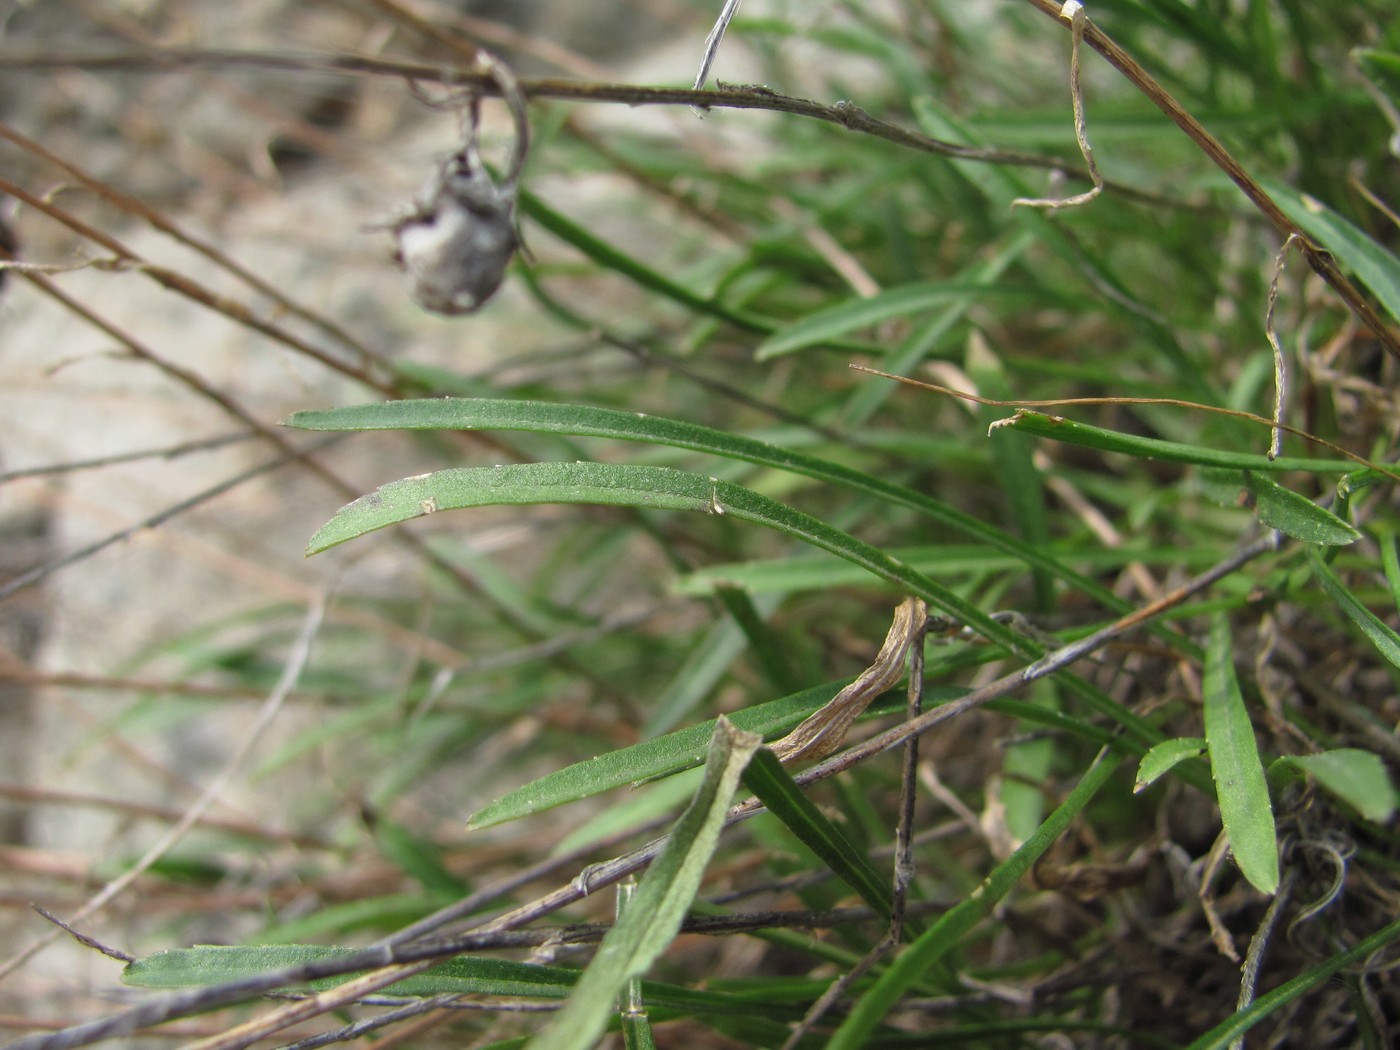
<point x="1382" y="636"/>
<point x="1057" y="428"/>
<point x="775" y="788"/>
<point x="219" y="964"/>
<point x="944" y="935"/>
<point x="654" y="916"/>
<point x="1296" y="516"/>
<point x="637" y="486"/>
<point x="1240" y="785"/>
<point x="833" y="322"/>
<point x="590" y="421"/>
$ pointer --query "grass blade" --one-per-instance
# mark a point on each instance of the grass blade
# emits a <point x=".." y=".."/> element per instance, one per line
<point x="775" y="788"/>
<point x="944" y="935"/>
<point x="825" y="325"/>
<point x="1224" y="1034"/>
<point x="657" y="488"/>
<point x="672" y="753"/>
<point x="610" y="258"/>
<point x="649" y="925"/>
<point x="1060" y="429"/>
<point x="1374" y="266"/>
<point x="586" y="421"/>
<point x="1382" y="636"/>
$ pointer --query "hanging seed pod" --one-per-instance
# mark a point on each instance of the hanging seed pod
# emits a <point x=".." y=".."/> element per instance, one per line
<point x="459" y="239"/>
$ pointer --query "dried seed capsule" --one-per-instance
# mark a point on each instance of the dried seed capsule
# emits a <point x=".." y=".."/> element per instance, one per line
<point x="461" y="235"/>
<point x="460" y="238"/>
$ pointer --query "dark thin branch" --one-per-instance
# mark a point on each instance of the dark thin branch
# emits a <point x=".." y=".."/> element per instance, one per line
<point x="169" y="452"/>
<point x="846" y="114"/>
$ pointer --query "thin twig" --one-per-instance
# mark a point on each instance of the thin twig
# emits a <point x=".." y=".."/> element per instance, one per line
<point x="183" y="284"/>
<point x="169" y="452"/>
<point x="159" y="221"/>
<point x="846" y="114"/>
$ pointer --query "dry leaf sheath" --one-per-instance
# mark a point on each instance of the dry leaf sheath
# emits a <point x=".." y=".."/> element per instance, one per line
<point x="823" y="732"/>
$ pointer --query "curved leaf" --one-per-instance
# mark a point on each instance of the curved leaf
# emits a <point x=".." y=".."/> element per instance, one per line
<point x="1057" y="428"/>
<point x="636" y="486"/>
<point x="1375" y="266"/>
<point x="1382" y="636"/>
<point x="586" y="421"/>
<point x="1295" y="515"/>
<point x="1357" y="777"/>
<point x="651" y="759"/>
<point x="823" y="326"/>
<point x="1162" y="757"/>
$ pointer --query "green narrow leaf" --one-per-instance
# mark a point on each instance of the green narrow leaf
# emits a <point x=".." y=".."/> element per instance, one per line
<point x="1232" y="1028"/>
<point x="1057" y="428"/>
<point x="765" y="643"/>
<point x="905" y="358"/>
<point x="211" y="964"/>
<point x="1382" y="68"/>
<point x="1013" y="463"/>
<point x="419" y="858"/>
<point x="1295" y="515"/>
<point x="586" y="421"/>
<point x="1162" y="757"/>
<point x="610" y="258"/>
<point x="1240" y="785"/>
<point x="1382" y="636"/>
<point x="615" y="484"/>
<point x="636" y="1025"/>
<point x="651" y="759"/>
<point x="944" y="935"/>
<point x="513" y="485"/>
<point x="825" y="325"/>
<point x="649" y="925"/>
<point x="775" y="788"/>
<point x="706" y="663"/>
<point x="1359" y="778"/>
